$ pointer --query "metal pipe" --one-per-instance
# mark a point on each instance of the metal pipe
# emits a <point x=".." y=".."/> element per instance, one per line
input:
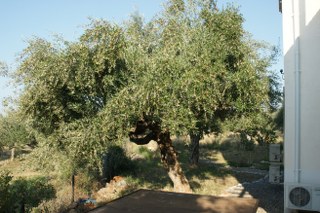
<point x="297" y="72"/>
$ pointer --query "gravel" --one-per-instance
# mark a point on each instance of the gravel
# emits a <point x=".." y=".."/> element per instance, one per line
<point x="270" y="196"/>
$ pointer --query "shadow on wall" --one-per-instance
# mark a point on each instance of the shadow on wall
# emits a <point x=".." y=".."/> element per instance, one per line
<point x="301" y="102"/>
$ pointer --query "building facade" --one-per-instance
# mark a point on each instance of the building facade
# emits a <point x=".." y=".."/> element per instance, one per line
<point x="301" y="46"/>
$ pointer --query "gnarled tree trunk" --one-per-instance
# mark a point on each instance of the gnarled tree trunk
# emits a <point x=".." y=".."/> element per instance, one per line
<point x="194" y="152"/>
<point x="170" y="161"/>
<point x="143" y="133"/>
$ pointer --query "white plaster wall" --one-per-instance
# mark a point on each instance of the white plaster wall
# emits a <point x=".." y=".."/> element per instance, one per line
<point x="307" y="33"/>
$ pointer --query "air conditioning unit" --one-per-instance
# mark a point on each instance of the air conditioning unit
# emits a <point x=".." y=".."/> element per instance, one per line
<point x="302" y="197"/>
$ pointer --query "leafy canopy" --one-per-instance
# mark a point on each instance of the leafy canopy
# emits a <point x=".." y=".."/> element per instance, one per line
<point x="188" y="69"/>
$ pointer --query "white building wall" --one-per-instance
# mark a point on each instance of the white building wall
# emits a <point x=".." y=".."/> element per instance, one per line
<point x="302" y="54"/>
<point x="289" y="67"/>
<point x="301" y="36"/>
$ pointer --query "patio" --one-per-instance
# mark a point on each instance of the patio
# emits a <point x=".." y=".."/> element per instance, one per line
<point x="146" y="201"/>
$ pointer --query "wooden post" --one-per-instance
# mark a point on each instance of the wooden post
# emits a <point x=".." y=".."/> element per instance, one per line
<point x="12" y="153"/>
<point x="72" y="186"/>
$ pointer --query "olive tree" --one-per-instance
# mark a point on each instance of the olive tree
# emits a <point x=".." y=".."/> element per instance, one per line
<point x="193" y="67"/>
<point x="184" y="72"/>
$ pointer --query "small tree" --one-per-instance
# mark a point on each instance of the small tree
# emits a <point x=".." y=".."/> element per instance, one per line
<point x="13" y="133"/>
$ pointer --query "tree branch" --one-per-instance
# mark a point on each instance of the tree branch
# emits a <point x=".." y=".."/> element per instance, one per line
<point x="141" y="140"/>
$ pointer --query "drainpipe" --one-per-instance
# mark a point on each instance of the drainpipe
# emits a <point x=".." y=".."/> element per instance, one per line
<point x="297" y="92"/>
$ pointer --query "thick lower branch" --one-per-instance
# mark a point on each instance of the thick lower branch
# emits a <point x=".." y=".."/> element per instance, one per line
<point x="141" y="140"/>
<point x="143" y="133"/>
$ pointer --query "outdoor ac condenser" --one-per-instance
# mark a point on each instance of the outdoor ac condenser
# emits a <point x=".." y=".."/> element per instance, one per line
<point x="302" y="197"/>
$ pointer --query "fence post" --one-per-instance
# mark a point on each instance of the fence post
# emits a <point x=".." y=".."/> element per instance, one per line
<point x="72" y="186"/>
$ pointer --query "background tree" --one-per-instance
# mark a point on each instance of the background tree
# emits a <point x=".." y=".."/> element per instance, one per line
<point x="13" y="133"/>
<point x="66" y="84"/>
<point x="279" y="119"/>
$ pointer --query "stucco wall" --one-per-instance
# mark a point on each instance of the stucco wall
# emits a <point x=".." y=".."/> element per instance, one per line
<point x="301" y="36"/>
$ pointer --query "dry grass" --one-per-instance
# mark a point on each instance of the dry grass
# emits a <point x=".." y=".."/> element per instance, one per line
<point x="225" y="149"/>
<point x="210" y="177"/>
<point x="18" y="168"/>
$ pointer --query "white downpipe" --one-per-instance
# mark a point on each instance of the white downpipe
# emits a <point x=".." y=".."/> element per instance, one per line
<point x="297" y="72"/>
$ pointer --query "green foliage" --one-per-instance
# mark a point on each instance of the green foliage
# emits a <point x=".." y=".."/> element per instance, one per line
<point x="67" y="81"/>
<point x="29" y="193"/>
<point x="23" y="194"/>
<point x="51" y="159"/>
<point x="189" y="70"/>
<point x="66" y="84"/>
<point x="279" y="119"/>
<point x="5" y="179"/>
<point x="13" y="131"/>
<point x="246" y="142"/>
<point x="145" y="152"/>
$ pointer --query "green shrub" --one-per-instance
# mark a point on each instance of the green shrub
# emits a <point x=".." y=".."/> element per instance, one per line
<point x="22" y="195"/>
<point x="115" y="162"/>
<point x="29" y="193"/>
<point x="5" y="179"/>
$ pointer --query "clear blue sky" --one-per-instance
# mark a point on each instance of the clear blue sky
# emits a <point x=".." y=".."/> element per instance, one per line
<point x="20" y="20"/>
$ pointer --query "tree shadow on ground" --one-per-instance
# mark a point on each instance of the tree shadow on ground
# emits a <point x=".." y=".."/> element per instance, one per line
<point x="270" y="196"/>
<point x="211" y="173"/>
<point x="150" y="172"/>
<point x="248" y="167"/>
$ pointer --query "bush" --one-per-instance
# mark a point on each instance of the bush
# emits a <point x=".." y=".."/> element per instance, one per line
<point x="5" y="179"/>
<point x="23" y="194"/>
<point x="115" y="162"/>
<point x="29" y="193"/>
<point x="56" y="161"/>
